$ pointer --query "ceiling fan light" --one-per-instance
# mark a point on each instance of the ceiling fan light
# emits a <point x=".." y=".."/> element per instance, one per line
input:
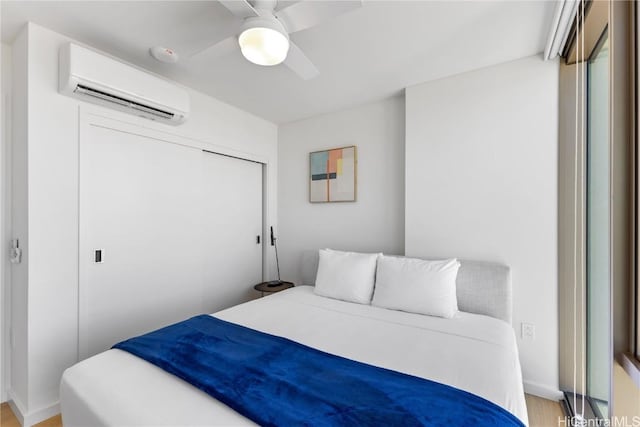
<point x="263" y="46"/>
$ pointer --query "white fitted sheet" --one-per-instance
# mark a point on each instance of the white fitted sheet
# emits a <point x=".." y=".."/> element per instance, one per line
<point x="472" y="352"/>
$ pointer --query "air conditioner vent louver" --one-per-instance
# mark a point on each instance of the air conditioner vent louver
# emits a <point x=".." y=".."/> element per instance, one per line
<point x="87" y="91"/>
<point x="98" y="79"/>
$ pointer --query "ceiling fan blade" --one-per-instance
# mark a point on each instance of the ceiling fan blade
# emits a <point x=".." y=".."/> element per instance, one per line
<point x="202" y="37"/>
<point x="310" y="13"/>
<point x="216" y="50"/>
<point x="300" y="64"/>
<point x="240" y="8"/>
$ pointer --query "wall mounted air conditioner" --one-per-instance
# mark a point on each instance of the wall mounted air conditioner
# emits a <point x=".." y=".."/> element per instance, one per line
<point x="96" y="78"/>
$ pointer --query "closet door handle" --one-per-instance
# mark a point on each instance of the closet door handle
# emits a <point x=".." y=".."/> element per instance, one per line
<point x="257" y="239"/>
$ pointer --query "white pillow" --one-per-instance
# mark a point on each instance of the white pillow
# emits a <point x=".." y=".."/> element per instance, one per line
<point x="417" y="286"/>
<point x="347" y="276"/>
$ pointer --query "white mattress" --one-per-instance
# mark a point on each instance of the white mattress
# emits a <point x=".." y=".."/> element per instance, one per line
<point x="471" y="352"/>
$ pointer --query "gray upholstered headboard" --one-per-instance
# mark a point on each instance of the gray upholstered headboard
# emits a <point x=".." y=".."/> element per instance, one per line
<point x="482" y="287"/>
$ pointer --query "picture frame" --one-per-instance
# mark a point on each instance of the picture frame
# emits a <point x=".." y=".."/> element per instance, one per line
<point x="333" y="175"/>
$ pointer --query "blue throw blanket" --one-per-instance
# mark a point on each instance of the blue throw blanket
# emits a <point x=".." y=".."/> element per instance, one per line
<point x="278" y="382"/>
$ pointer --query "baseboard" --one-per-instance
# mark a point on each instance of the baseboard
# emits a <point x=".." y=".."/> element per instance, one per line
<point x="28" y="419"/>
<point x="16" y="406"/>
<point x="543" y="391"/>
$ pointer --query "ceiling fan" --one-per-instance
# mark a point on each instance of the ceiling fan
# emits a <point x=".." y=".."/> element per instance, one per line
<point x="263" y="35"/>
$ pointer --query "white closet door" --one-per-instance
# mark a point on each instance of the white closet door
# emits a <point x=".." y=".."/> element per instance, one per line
<point x="140" y="204"/>
<point x="232" y="197"/>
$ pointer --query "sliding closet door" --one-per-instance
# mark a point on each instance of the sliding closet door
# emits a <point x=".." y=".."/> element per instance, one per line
<point x="167" y="231"/>
<point x="140" y="235"/>
<point x="232" y="207"/>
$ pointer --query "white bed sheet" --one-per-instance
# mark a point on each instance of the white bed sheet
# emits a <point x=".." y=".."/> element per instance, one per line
<point x="471" y="352"/>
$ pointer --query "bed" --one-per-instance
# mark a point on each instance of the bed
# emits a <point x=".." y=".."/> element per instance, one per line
<point x="475" y="351"/>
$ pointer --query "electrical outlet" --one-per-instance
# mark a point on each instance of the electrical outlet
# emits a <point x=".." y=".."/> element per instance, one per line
<point x="528" y="331"/>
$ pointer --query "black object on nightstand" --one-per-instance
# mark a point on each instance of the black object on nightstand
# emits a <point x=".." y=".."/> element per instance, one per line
<point x="275" y="283"/>
<point x="270" y="287"/>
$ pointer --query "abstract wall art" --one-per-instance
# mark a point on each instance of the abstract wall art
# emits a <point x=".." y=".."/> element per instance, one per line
<point x="332" y="175"/>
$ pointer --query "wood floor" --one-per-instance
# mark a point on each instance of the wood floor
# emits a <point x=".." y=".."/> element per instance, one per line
<point x="542" y="413"/>
<point x="7" y="419"/>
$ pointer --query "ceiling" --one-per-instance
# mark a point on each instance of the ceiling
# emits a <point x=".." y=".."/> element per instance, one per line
<point x="365" y="55"/>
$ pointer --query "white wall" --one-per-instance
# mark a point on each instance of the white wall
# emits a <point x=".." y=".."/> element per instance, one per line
<point x="17" y="392"/>
<point x="5" y="216"/>
<point x="481" y="183"/>
<point x="53" y="207"/>
<point x="376" y="221"/>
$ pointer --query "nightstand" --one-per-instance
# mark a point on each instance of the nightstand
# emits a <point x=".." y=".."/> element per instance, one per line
<point x="266" y="289"/>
